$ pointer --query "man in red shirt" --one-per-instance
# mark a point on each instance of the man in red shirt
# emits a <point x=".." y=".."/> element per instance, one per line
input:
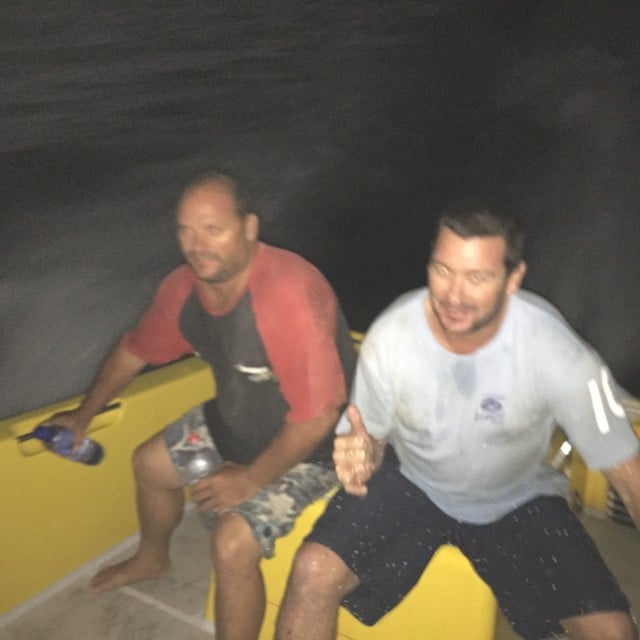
<point x="271" y="327"/>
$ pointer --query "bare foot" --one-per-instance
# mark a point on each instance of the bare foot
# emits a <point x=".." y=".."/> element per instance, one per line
<point x="134" y="569"/>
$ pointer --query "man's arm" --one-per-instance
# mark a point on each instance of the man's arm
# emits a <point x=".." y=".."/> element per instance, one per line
<point x="625" y="479"/>
<point x="292" y="444"/>
<point x="117" y="370"/>
<point x="233" y="483"/>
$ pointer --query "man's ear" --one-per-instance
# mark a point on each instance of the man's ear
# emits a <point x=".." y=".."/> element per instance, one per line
<point x="252" y="226"/>
<point x="516" y="277"/>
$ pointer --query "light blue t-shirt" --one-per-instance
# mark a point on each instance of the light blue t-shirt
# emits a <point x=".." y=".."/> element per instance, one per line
<point x="473" y="431"/>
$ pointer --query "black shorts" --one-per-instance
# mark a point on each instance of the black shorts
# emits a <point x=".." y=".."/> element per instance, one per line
<point x="540" y="562"/>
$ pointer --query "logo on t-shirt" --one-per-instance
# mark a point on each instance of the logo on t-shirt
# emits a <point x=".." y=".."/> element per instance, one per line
<point x="491" y="409"/>
<point x="256" y="374"/>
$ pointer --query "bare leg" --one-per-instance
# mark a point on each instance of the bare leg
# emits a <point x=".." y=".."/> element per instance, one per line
<point x="160" y="502"/>
<point x="239" y="594"/>
<point x="605" y="625"/>
<point x="318" y="581"/>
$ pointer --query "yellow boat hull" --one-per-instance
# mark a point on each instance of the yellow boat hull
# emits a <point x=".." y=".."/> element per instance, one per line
<point x="58" y="515"/>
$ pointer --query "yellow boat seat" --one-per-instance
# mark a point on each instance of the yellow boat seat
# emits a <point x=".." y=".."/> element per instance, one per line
<point x="450" y="602"/>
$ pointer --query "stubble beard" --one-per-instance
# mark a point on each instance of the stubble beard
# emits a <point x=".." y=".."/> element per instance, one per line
<point x="481" y="323"/>
<point x="222" y="274"/>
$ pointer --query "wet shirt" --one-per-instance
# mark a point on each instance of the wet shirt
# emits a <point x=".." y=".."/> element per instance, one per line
<point x="283" y="353"/>
<point x="473" y="430"/>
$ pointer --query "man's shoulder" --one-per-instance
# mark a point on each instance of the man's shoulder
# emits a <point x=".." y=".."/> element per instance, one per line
<point x="538" y="315"/>
<point x="547" y="332"/>
<point x="281" y="269"/>
<point x="400" y="317"/>
<point x="537" y="306"/>
<point x="269" y="255"/>
<point x="177" y="284"/>
<point x="405" y="305"/>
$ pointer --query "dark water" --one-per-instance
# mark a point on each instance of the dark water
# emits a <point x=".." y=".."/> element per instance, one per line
<point x="353" y="122"/>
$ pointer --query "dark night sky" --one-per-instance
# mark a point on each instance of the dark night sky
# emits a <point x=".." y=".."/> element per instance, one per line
<point x="353" y="122"/>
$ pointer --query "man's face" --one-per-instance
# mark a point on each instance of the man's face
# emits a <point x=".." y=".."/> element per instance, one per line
<point x="216" y="243"/>
<point x="468" y="282"/>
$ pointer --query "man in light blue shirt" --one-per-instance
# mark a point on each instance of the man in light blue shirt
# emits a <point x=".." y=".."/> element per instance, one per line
<point x="458" y="390"/>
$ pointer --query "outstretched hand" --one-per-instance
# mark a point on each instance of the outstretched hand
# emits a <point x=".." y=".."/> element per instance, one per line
<point x="354" y="455"/>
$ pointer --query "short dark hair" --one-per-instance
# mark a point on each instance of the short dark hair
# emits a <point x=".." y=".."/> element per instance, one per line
<point x="473" y="218"/>
<point x="229" y="182"/>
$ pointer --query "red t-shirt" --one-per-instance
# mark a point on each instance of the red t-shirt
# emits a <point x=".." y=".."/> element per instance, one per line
<point x="283" y="353"/>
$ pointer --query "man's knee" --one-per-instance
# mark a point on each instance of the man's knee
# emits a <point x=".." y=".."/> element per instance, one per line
<point x="152" y="464"/>
<point x="319" y="568"/>
<point x="142" y="457"/>
<point x="605" y="625"/>
<point x="233" y="543"/>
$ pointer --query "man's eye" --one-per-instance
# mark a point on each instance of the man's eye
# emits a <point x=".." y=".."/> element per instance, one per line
<point x="478" y="278"/>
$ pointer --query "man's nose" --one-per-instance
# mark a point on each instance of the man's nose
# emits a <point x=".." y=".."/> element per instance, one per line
<point x="198" y="242"/>
<point x="456" y="287"/>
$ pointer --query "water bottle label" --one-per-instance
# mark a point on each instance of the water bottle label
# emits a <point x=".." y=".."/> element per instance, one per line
<point x="89" y="451"/>
<point x="194" y="454"/>
<point x="83" y="452"/>
<point x="62" y="443"/>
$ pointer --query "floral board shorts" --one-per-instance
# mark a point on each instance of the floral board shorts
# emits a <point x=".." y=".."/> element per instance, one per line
<point x="272" y="511"/>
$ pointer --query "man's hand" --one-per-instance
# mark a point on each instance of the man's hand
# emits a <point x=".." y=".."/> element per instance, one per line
<point x="116" y="371"/>
<point x="73" y="420"/>
<point x="356" y="455"/>
<point x="228" y="487"/>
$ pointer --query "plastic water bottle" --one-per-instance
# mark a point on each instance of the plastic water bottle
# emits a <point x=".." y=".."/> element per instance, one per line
<point x="60" y="440"/>
<point x="198" y="460"/>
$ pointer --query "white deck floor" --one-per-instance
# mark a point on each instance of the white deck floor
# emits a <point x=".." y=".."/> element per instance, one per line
<point x="172" y="608"/>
